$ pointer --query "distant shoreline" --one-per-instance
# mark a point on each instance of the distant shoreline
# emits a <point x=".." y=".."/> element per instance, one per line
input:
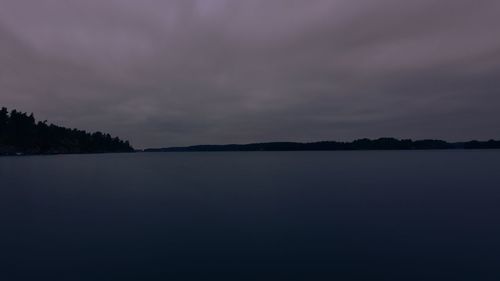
<point x="357" y="145"/>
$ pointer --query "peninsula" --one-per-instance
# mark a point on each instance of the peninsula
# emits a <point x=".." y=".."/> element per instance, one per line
<point x="21" y="134"/>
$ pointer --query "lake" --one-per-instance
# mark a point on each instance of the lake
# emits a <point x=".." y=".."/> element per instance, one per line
<point x="367" y="215"/>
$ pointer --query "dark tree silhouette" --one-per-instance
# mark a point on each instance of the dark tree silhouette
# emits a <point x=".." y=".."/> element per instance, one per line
<point x="361" y="144"/>
<point x="20" y="133"/>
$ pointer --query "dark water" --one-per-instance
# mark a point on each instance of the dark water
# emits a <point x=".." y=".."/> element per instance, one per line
<point x="429" y="215"/>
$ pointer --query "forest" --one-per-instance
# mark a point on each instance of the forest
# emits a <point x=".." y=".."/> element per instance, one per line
<point x="21" y="134"/>
<point x="361" y="144"/>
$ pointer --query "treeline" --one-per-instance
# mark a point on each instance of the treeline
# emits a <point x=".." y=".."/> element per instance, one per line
<point x="361" y="144"/>
<point x="20" y="133"/>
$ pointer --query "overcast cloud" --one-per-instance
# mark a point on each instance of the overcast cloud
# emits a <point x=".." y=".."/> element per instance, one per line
<point x="181" y="72"/>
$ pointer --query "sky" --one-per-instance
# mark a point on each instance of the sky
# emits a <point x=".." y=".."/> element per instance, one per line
<point x="182" y="72"/>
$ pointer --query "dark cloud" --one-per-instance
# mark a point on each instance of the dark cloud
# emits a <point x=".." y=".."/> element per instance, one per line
<point x="184" y="72"/>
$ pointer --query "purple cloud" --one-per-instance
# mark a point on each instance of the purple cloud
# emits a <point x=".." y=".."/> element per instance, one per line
<point x="185" y="72"/>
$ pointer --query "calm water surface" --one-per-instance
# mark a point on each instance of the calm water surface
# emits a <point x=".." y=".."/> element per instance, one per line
<point x="403" y="215"/>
